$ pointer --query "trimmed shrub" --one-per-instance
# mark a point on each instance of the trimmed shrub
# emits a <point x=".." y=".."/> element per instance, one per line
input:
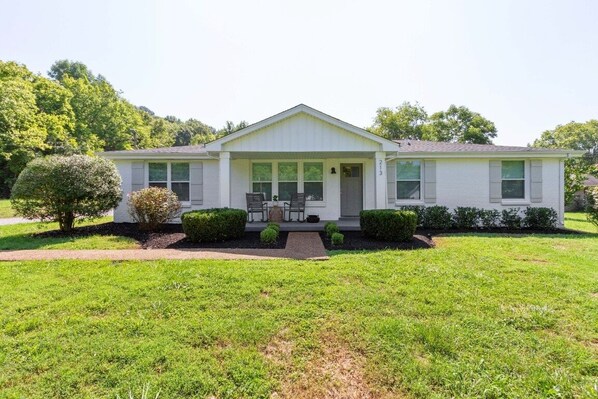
<point x="216" y="224"/>
<point x="388" y="224"/>
<point x="153" y="206"/>
<point x="490" y="218"/>
<point x="274" y="226"/>
<point x="338" y="239"/>
<point x="465" y="217"/>
<point x="268" y="235"/>
<point x="510" y="218"/>
<point x="64" y="189"/>
<point x="437" y="217"/>
<point x="540" y="218"/>
<point x="331" y="228"/>
<point x="419" y="211"/>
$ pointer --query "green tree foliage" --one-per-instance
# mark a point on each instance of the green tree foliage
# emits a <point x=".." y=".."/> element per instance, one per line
<point x="411" y="121"/>
<point x="407" y="121"/>
<point x="76" y="112"/>
<point x="576" y="136"/>
<point x="64" y="189"/>
<point x="461" y="125"/>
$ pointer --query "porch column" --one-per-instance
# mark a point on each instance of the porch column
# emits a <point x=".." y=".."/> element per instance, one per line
<point x="380" y="168"/>
<point x="224" y="179"/>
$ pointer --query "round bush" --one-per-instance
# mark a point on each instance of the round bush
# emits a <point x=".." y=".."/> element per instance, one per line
<point x="437" y="217"/>
<point x="268" y="235"/>
<point x="338" y="239"/>
<point x="64" y="189"/>
<point x="331" y="228"/>
<point x="216" y="224"/>
<point x="540" y="218"/>
<point x="153" y="206"/>
<point x="274" y="226"/>
<point x="388" y="224"/>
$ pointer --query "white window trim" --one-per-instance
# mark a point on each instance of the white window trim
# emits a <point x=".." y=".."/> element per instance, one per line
<point x="168" y="181"/>
<point x="420" y="201"/>
<point x="300" y="180"/>
<point x="526" y="185"/>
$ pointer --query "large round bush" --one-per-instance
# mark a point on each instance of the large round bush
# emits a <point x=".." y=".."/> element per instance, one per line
<point x="64" y="189"/>
<point x="388" y="224"/>
<point x="153" y="206"/>
<point x="216" y="224"/>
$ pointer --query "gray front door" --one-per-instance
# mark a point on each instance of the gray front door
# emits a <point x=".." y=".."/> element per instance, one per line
<point x="351" y="189"/>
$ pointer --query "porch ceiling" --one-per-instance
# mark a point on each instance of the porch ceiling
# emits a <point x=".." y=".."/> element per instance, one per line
<point x="303" y="155"/>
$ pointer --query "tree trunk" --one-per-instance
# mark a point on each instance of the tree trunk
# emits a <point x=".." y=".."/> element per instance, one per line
<point x="66" y="221"/>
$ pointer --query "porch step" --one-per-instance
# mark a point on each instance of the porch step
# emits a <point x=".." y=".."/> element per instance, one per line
<point x="344" y="225"/>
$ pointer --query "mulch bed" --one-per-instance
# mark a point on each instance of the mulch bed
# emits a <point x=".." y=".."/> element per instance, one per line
<point x="354" y="240"/>
<point x="169" y="236"/>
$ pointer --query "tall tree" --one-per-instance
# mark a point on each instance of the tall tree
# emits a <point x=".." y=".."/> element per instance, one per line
<point x="407" y="121"/>
<point x="576" y="136"/>
<point x="75" y="69"/>
<point x="461" y="125"/>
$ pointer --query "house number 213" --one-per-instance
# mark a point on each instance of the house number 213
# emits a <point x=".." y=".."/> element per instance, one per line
<point x="380" y="167"/>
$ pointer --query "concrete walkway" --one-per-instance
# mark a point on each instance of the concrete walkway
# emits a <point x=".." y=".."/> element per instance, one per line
<point x="299" y="246"/>
<point x="9" y="221"/>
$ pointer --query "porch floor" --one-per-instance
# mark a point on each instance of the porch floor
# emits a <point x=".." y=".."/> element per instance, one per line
<point x="349" y="224"/>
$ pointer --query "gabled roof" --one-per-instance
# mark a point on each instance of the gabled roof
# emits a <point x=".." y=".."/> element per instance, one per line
<point x="387" y="145"/>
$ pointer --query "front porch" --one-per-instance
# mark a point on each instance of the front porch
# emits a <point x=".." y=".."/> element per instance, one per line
<point x="345" y="224"/>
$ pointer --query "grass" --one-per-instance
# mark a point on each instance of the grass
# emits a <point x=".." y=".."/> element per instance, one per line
<point x="22" y="236"/>
<point x="5" y="209"/>
<point x="579" y="221"/>
<point x="479" y="316"/>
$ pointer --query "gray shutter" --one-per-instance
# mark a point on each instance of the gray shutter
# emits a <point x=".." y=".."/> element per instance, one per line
<point x="429" y="182"/>
<point x="137" y="175"/>
<point x="495" y="181"/>
<point x="196" y="183"/>
<point x="391" y="180"/>
<point x="536" y="181"/>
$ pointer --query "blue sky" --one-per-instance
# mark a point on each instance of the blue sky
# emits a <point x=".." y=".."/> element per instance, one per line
<point x="526" y="65"/>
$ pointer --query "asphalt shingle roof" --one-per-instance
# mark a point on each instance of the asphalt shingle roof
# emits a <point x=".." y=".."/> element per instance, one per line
<point x="435" y="146"/>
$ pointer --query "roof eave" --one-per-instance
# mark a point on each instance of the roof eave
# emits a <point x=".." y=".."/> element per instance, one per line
<point x="494" y="154"/>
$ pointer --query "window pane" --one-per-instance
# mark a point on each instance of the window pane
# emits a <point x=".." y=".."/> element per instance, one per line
<point x="408" y="190"/>
<point x="513" y="189"/>
<point x="313" y="171"/>
<point x="408" y="170"/>
<point x="181" y="190"/>
<point x="157" y="171"/>
<point x="179" y="172"/>
<point x="287" y="171"/>
<point x="314" y="191"/>
<point x="265" y="188"/>
<point x="262" y="172"/>
<point x="285" y="190"/>
<point x="163" y="185"/>
<point x="512" y="169"/>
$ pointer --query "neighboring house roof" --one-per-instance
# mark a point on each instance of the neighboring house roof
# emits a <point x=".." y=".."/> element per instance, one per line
<point x="591" y="181"/>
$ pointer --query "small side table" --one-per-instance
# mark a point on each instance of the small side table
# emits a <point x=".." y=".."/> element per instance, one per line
<point x="275" y="214"/>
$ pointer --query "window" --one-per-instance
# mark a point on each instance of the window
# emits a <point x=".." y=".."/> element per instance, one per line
<point x="408" y="180"/>
<point x="513" y="179"/>
<point x="261" y="175"/>
<point x="313" y="181"/>
<point x="287" y="180"/>
<point x="174" y="176"/>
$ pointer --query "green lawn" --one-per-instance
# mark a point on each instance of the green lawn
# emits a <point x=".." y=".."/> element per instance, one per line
<point x="479" y="316"/>
<point x="578" y="221"/>
<point x="5" y="209"/>
<point x="22" y="236"/>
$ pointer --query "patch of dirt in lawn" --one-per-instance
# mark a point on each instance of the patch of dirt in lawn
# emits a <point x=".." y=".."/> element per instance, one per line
<point x="333" y="372"/>
<point x="354" y="240"/>
<point x="169" y="236"/>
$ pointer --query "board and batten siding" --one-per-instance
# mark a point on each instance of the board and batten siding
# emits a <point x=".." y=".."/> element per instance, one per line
<point x="301" y="133"/>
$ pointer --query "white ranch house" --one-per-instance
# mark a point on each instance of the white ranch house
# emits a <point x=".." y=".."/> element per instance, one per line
<point x="343" y="169"/>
